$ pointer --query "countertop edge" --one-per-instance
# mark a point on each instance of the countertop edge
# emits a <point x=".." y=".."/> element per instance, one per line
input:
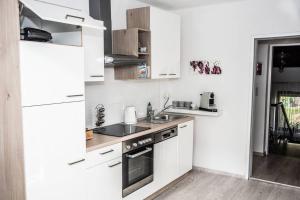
<point x="116" y="140"/>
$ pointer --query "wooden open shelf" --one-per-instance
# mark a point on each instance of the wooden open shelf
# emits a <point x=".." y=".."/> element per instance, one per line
<point x="128" y="42"/>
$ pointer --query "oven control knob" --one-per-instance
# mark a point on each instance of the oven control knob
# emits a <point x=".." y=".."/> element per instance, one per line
<point x="134" y="144"/>
<point x="141" y="142"/>
<point x="149" y="139"/>
<point x="128" y="147"/>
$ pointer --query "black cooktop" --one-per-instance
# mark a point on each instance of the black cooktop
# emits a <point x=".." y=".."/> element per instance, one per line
<point x="119" y="130"/>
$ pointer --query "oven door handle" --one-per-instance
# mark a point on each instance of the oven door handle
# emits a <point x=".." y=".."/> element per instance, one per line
<point x="148" y="149"/>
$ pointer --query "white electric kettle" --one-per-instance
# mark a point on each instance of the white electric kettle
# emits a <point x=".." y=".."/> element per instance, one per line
<point x="130" y="115"/>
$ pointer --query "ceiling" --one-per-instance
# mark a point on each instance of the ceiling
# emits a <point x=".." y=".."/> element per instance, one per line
<point x="179" y="4"/>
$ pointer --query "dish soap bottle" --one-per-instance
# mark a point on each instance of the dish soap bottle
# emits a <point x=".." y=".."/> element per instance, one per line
<point x="149" y="111"/>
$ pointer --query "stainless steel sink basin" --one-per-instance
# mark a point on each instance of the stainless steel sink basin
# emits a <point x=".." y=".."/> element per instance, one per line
<point x="165" y="118"/>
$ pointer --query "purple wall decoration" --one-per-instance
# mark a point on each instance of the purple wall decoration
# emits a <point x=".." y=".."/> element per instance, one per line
<point x="203" y="67"/>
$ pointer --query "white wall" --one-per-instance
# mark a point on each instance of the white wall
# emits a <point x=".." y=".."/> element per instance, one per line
<point x="225" y="32"/>
<point x="260" y="99"/>
<point x="115" y="95"/>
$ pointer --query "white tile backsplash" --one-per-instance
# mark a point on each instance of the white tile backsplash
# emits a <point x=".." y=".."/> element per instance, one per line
<point x="116" y="95"/>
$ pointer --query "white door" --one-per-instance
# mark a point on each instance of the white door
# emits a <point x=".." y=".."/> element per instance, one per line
<point x="105" y="181"/>
<point x="165" y="44"/>
<point x="185" y="147"/>
<point x="93" y="43"/>
<point x="54" y="150"/>
<point x="51" y="73"/>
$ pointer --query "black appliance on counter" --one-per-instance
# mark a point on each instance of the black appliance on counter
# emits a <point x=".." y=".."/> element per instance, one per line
<point x="33" y="34"/>
<point x="120" y="130"/>
<point x="137" y="163"/>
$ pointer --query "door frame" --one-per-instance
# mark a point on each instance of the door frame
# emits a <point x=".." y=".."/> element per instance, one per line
<point x="269" y="90"/>
<point x="254" y="41"/>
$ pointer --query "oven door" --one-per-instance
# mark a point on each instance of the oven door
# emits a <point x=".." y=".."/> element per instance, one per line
<point x="137" y="169"/>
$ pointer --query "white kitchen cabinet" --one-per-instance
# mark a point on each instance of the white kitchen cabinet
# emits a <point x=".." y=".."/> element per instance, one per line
<point x="105" y="179"/>
<point x="165" y="39"/>
<point x="165" y="44"/>
<point x="165" y="162"/>
<point x="185" y="147"/>
<point x="51" y="73"/>
<point x="74" y="4"/>
<point x="93" y="42"/>
<point x="54" y="151"/>
<point x="72" y="12"/>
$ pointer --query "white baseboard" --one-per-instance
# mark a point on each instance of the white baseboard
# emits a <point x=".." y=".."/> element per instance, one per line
<point x="201" y="169"/>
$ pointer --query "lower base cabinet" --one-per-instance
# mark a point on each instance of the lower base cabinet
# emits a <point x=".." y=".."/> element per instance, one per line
<point x="185" y="147"/>
<point x="172" y="159"/>
<point x="104" y="181"/>
<point x="165" y="162"/>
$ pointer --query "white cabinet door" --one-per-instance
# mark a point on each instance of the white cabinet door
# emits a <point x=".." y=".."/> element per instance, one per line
<point x="54" y="149"/>
<point x="51" y="73"/>
<point x="173" y="45"/>
<point x="165" y="162"/>
<point x="105" y="181"/>
<point x="171" y="159"/>
<point x="165" y="44"/>
<point x="159" y="159"/>
<point x="185" y="147"/>
<point x="74" y="4"/>
<point x="93" y="43"/>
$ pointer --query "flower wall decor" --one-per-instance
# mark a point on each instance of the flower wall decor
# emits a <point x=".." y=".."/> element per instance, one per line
<point x="203" y="67"/>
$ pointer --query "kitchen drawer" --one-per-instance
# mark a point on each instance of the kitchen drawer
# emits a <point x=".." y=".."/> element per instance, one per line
<point x="104" y="154"/>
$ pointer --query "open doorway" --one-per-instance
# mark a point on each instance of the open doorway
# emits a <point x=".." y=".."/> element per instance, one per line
<point x="276" y="115"/>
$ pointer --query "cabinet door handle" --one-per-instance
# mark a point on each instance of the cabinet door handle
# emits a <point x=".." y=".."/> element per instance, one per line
<point x="172" y="74"/>
<point x="113" y="165"/>
<point x="73" y="16"/>
<point x="75" y="95"/>
<point x="106" y="152"/>
<point x="163" y="74"/>
<point x="76" y="162"/>
<point x="183" y="126"/>
<point x="96" y="76"/>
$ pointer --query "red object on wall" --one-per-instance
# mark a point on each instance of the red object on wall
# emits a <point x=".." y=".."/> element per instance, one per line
<point x="259" y="69"/>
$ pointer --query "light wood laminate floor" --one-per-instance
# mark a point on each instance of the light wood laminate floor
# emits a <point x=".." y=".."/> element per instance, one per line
<point x="207" y="186"/>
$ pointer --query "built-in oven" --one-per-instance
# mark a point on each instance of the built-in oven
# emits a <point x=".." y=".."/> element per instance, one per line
<point x="137" y="163"/>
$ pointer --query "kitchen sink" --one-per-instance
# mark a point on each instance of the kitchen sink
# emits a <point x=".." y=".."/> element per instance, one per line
<point x="165" y="118"/>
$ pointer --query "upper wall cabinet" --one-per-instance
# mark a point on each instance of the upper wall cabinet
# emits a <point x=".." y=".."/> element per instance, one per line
<point x="165" y="39"/>
<point x="65" y="11"/>
<point x="74" y="4"/>
<point x="69" y="25"/>
<point x="93" y="43"/>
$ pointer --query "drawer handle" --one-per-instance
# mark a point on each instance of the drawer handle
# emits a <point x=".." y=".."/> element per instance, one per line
<point x="163" y="74"/>
<point x="172" y="74"/>
<point x="183" y="126"/>
<point x="73" y="16"/>
<point x="75" y="95"/>
<point x="113" y="165"/>
<point x="106" y="152"/>
<point x="76" y="162"/>
<point x="96" y="76"/>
